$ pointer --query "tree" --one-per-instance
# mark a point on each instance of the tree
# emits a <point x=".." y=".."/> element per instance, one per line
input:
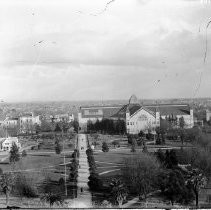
<point x="58" y="147"/>
<point x="118" y="191"/>
<point x="145" y="150"/>
<point x="52" y="198"/>
<point x="141" y="134"/>
<point x="171" y="160"/>
<point x="139" y="173"/>
<point x="115" y="143"/>
<point x="24" y="187"/>
<point x="94" y="182"/>
<point x="197" y="181"/>
<point x="182" y="125"/>
<point x="24" y="154"/>
<point x="37" y="128"/>
<point x="105" y="147"/>
<point x="181" y="122"/>
<point x="75" y="125"/>
<point x="164" y="126"/>
<point x="58" y="128"/>
<point x="45" y="126"/>
<point x="160" y="156"/>
<point x="7" y="181"/>
<point x="129" y="139"/>
<point x="175" y="187"/>
<point x="134" y="145"/>
<point x="14" y="153"/>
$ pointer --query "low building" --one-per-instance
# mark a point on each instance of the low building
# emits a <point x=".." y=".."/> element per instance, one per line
<point x="63" y="117"/>
<point x="208" y="115"/>
<point x="10" y="122"/>
<point x="94" y="113"/>
<point x="138" y="117"/>
<point x="7" y="143"/>
<point x="28" y="122"/>
<point x="147" y="117"/>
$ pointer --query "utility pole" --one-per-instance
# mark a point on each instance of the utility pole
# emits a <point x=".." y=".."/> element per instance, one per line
<point x="65" y="169"/>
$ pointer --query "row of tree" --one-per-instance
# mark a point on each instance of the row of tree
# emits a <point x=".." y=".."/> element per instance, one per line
<point x="107" y="126"/>
<point x="94" y="182"/>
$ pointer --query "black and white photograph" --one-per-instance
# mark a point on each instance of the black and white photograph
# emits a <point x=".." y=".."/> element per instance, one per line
<point x="105" y="104"/>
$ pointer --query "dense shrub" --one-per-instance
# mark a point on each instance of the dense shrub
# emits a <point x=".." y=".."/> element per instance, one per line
<point x="115" y="143"/>
<point x="108" y="126"/>
<point x="94" y="182"/>
<point x="105" y="147"/>
<point x="24" y="187"/>
<point x="24" y="154"/>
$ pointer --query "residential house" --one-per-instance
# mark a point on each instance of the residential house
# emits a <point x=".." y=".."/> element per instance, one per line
<point x="28" y="122"/>
<point x="7" y="143"/>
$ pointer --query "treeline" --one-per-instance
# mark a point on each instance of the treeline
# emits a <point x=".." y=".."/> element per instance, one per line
<point x="107" y="126"/>
<point x="56" y="127"/>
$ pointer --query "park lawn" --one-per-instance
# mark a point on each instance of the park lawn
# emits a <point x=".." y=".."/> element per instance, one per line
<point x="116" y="157"/>
<point x="39" y="166"/>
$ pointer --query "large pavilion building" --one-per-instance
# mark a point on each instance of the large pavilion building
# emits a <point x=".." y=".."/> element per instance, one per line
<point x="137" y="117"/>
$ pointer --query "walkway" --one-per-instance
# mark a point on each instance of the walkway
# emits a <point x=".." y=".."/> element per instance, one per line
<point x="84" y="198"/>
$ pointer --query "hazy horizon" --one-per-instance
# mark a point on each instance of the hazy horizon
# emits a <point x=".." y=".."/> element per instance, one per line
<point x="100" y="101"/>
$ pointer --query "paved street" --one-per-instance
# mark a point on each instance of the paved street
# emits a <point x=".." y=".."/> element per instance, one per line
<point x="84" y="199"/>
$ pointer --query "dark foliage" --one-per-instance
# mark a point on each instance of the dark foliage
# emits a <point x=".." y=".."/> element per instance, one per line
<point x="58" y="147"/>
<point x="24" y="154"/>
<point x="24" y="187"/>
<point x="175" y="189"/>
<point x="168" y="159"/>
<point x="94" y="182"/>
<point x="108" y="126"/>
<point x="14" y="154"/>
<point x="105" y="147"/>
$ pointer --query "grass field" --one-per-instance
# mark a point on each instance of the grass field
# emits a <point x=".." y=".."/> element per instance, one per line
<point x="110" y="161"/>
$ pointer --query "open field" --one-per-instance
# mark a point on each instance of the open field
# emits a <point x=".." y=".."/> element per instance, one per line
<point x="110" y="162"/>
<point x="39" y="166"/>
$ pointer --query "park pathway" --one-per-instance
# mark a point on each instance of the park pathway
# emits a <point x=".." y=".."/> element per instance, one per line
<point x="84" y="198"/>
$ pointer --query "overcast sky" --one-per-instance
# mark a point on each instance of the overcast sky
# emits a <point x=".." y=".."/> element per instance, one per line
<point x="89" y="50"/>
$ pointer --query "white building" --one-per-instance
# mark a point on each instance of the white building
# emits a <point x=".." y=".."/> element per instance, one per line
<point x="141" y="118"/>
<point x="27" y="122"/>
<point x="208" y="115"/>
<point x="63" y="117"/>
<point x="10" y="122"/>
<point x="7" y="143"/>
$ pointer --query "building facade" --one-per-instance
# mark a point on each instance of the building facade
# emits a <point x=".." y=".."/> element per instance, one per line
<point x="6" y="144"/>
<point x="94" y="113"/>
<point x="138" y="117"/>
<point x="148" y="117"/>
<point x="27" y="123"/>
<point x="10" y="122"/>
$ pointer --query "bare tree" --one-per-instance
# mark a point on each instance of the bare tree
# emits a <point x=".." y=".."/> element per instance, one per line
<point x="139" y="173"/>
